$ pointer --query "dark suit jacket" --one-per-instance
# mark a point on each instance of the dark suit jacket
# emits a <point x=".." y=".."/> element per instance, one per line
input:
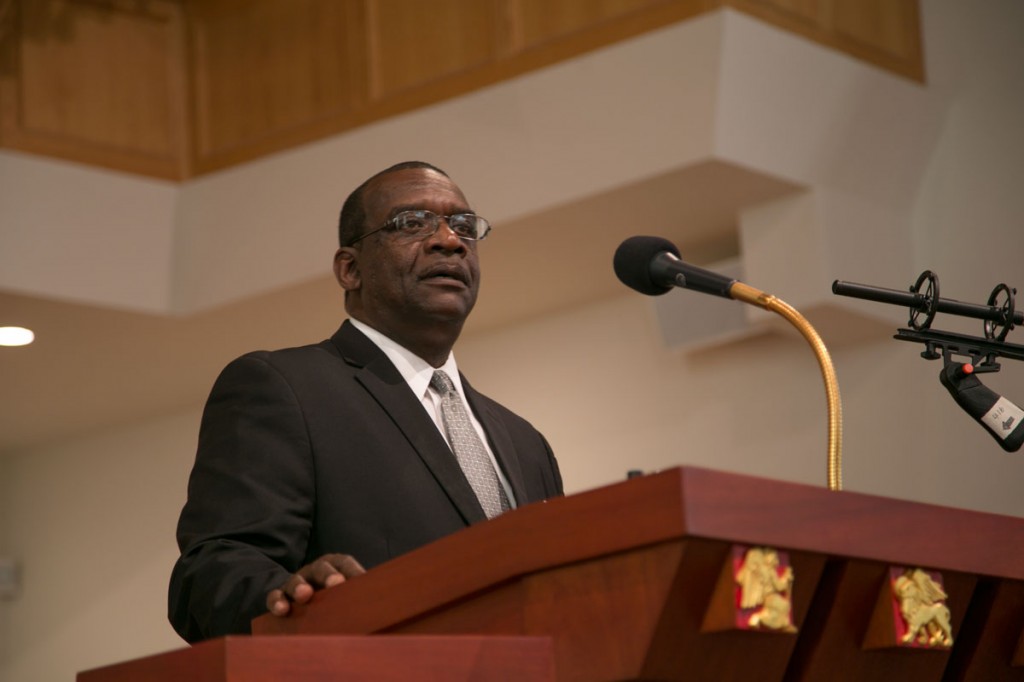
<point x="321" y="449"/>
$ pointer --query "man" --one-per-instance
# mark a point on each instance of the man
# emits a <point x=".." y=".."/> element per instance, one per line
<point x="314" y="462"/>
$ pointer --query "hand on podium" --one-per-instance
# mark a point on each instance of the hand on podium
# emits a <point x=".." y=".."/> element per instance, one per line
<point x="327" y="571"/>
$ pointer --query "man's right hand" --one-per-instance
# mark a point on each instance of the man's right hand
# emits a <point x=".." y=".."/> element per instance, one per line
<point x="327" y="571"/>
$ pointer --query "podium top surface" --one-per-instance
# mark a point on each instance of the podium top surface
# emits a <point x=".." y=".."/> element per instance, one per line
<point x="684" y="502"/>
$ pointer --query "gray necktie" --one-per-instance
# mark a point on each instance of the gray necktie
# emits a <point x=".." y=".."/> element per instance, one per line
<point x="468" y="448"/>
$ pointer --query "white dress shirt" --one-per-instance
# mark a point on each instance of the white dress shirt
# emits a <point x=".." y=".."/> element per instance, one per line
<point x="417" y="372"/>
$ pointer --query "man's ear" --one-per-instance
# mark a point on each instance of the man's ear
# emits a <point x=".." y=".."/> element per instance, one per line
<point x="346" y="268"/>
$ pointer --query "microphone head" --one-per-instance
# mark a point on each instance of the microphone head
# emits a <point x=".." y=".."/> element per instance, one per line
<point x="633" y="261"/>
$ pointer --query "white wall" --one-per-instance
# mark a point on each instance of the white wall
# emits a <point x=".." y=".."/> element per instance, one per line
<point x="119" y="256"/>
<point x="6" y="514"/>
<point x="93" y="528"/>
<point x="968" y="222"/>
<point x="92" y="520"/>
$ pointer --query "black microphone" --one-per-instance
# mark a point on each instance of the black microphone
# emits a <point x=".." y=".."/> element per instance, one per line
<point x="651" y="265"/>
<point x="1003" y="419"/>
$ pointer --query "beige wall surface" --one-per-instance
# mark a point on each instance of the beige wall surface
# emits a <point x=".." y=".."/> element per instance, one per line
<point x="91" y="519"/>
<point x="121" y="258"/>
<point x="94" y="531"/>
<point x="6" y="515"/>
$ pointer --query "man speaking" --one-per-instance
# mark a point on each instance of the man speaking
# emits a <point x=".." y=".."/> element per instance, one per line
<point x="318" y="461"/>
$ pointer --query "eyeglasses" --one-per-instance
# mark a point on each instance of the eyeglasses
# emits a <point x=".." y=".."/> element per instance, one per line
<point x="414" y="225"/>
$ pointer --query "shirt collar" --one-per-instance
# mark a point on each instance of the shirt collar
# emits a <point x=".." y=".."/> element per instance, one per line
<point x="415" y="370"/>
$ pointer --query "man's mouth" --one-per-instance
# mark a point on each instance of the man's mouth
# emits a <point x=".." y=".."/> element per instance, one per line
<point x="447" y="273"/>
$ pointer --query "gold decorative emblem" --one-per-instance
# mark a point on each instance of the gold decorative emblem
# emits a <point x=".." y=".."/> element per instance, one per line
<point x="765" y="582"/>
<point x="925" y="616"/>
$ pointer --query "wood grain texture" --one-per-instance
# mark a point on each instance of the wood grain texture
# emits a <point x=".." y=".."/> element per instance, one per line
<point x="621" y="577"/>
<point x="415" y="43"/>
<point x="992" y="635"/>
<point x="327" y="659"/>
<point x="834" y="634"/>
<point x="541" y="21"/>
<point x="178" y="88"/>
<point x="886" y="33"/>
<point x="581" y="604"/>
<point x="98" y="83"/>
<point x="632" y="615"/>
<point x="264" y="67"/>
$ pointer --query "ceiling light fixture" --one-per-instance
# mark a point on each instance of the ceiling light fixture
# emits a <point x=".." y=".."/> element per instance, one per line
<point x="16" y="336"/>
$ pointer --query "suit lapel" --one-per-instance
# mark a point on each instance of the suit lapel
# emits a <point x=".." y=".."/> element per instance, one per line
<point x="385" y="384"/>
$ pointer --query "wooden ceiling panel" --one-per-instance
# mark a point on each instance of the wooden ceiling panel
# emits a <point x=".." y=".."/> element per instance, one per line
<point x="177" y="88"/>
<point x="542" y="20"/>
<point x="415" y="42"/>
<point x="100" y="83"/>
<point x="265" y="66"/>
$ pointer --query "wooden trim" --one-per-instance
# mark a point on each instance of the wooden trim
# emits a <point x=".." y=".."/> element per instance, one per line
<point x="882" y="32"/>
<point x="825" y="28"/>
<point x="95" y="146"/>
<point x="381" y="106"/>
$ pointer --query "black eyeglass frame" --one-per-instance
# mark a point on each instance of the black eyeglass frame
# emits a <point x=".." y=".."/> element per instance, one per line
<point x="434" y="220"/>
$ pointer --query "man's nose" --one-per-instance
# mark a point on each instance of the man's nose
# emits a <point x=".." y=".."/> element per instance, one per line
<point x="446" y="238"/>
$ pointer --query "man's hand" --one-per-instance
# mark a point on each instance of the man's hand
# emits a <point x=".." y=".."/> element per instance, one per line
<point x="327" y="571"/>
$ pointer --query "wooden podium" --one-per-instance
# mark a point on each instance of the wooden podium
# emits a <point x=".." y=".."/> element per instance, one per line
<point x="625" y="581"/>
<point x="334" y="658"/>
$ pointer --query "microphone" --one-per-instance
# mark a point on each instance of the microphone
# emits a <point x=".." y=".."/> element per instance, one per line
<point x="1000" y="417"/>
<point x="651" y="265"/>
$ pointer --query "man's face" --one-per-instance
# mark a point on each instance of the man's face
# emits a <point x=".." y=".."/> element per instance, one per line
<point x="401" y="283"/>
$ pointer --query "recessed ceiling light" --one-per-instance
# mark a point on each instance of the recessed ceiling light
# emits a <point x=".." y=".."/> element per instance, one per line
<point x="16" y="336"/>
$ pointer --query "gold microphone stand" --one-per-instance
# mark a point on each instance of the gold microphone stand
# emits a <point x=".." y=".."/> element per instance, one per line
<point x="749" y="294"/>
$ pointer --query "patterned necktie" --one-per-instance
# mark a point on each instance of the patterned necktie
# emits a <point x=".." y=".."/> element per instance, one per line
<point x="468" y="448"/>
